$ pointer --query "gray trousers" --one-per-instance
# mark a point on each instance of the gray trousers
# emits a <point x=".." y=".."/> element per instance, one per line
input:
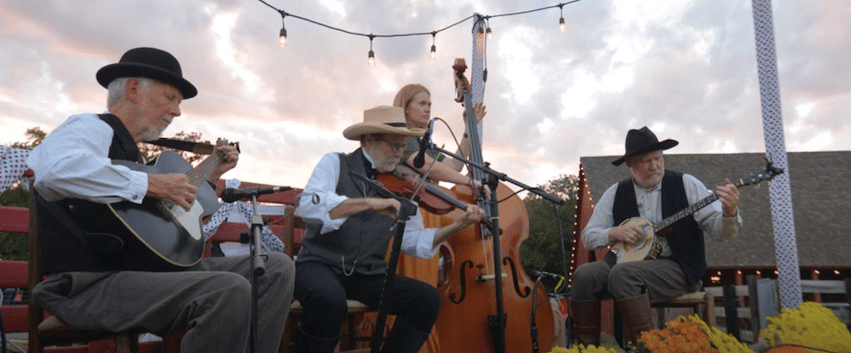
<point x="660" y="279"/>
<point x="211" y="301"/>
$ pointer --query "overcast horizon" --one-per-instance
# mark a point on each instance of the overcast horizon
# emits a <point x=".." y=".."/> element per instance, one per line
<point x="685" y="69"/>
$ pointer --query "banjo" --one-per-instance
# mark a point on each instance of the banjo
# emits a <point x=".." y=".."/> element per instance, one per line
<point x="649" y="246"/>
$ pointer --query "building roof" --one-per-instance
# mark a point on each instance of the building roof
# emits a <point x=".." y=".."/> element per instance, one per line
<point x="821" y="195"/>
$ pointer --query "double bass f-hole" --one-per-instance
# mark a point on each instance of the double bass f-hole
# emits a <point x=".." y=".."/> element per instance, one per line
<point x="463" y="275"/>
<point x="526" y="290"/>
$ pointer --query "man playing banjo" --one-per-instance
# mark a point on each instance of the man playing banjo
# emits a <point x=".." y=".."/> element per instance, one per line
<point x="621" y="218"/>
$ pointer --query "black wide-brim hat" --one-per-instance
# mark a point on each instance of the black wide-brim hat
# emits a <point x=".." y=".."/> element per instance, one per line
<point x="151" y="63"/>
<point x="642" y="141"/>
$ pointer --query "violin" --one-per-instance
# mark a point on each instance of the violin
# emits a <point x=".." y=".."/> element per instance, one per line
<point x="431" y="197"/>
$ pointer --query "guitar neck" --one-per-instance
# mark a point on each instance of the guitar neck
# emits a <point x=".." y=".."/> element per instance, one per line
<point x="204" y="169"/>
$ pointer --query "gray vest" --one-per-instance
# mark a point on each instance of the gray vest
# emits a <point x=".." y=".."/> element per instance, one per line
<point x="360" y="244"/>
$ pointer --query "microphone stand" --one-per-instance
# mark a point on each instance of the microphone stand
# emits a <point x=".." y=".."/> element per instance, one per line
<point x="407" y="209"/>
<point x="256" y="265"/>
<point x="493" y="174"/>
<point x="497" y="324"/>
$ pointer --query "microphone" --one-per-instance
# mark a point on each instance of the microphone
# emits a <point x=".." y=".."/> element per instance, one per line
<point x="419" y="159"/>
<point x="232" y="194"/>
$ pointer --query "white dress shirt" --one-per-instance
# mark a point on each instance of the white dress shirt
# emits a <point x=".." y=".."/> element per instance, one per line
<point x="319" y="198"/>
<point x="710" y="218"/>
<point x="73" y="162"/>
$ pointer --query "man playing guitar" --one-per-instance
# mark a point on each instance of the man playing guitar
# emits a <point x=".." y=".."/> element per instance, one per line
<point x="652" y="193"/>
<point x="88" y="284"/>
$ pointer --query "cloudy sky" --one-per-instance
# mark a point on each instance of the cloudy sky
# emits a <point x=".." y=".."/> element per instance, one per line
<point x="686" y="69"/>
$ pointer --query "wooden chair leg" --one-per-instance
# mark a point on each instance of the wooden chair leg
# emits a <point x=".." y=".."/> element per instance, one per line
<point x="128" y="343"/>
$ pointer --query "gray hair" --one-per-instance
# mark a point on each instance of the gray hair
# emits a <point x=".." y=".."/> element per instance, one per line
<point x="115" y="88"/>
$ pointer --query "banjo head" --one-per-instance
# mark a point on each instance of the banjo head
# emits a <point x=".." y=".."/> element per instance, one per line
<point x="642" y="248"/>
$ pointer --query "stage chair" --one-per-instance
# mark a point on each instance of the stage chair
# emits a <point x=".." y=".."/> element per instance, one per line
<point x="702" y="303"/>
<point x="50" y="331"/>
<point x="290" y="229"/>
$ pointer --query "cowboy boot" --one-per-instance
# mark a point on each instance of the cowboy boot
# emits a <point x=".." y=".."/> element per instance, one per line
<point x="404" y="338"/>
<point x="306" y="343"/>
<point x="637" y="317"/>
<point x="586" y="321"/>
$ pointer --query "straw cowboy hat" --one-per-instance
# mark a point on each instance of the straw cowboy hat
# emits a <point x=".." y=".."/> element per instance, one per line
<point x="642" y="141"/>
<point x="381" y="120"/>
<point x="151" y="63"/>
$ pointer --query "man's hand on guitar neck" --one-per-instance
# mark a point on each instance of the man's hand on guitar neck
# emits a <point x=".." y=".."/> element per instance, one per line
<point x="229" y="154"/>
<point x="172" y="188"/>
<point x="729" y="196"/>
<point x="627" y="233"/>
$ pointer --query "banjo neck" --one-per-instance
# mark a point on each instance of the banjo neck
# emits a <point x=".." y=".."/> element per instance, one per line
<point x="688" y="211"/>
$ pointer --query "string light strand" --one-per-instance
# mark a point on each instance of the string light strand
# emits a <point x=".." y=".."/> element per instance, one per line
<point x="282" y="36"/>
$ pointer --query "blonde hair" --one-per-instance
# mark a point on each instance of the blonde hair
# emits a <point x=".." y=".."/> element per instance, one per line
<point x="405" y="94"/>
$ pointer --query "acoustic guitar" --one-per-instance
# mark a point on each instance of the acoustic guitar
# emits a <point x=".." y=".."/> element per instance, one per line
<point x="649" y="246"/>
<point x="161" y="236"/>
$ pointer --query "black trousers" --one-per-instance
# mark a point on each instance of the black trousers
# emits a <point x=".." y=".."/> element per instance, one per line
<point x="323" y="295"/>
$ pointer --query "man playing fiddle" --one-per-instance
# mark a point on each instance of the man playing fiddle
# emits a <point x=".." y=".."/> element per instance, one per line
<point x="348" y="234"/>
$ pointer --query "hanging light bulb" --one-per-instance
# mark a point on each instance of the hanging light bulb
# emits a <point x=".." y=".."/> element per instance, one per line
<point x="282" y="36"/>
<point x="489" y="33"/>
<point x="561" y="24"/>
<point x="433" y="53"/>
<point x="371" y="56"/>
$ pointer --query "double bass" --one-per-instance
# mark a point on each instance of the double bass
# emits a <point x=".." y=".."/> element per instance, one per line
<point x="480" y="279"/>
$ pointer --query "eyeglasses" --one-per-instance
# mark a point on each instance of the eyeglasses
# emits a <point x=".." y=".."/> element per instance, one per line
<point x="394" y="147"/>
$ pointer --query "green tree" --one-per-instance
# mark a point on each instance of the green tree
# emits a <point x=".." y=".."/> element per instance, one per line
<point x="34" y="137"/>
<point x="550" y="227"/>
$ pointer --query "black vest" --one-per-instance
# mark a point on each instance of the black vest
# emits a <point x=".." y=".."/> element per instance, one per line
<point x="685" y="238"/>
<point x="360" y="245"/>
<point x="60" y="250"/>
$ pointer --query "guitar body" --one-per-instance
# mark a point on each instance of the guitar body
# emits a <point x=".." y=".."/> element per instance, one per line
<point x="647" y="248"/>
<point x="160" y="236"/>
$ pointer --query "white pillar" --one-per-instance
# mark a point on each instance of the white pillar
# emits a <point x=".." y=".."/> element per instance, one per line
<point x="786" y="247"/>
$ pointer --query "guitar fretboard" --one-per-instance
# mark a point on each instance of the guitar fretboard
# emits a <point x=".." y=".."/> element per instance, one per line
<point x="204" y="169"/>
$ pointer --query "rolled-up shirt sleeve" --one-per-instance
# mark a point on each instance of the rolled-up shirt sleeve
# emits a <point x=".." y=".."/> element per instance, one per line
<point x="596" y="232"/>
<point x="418" y="240"/>
<point x="319" y="196"/>
<point x="73" y="162"/>
<point x="711" y="218"/>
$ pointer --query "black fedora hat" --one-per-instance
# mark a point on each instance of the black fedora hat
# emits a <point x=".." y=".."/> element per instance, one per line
<point x="151" y="63"/>
<point x="642" y="141"/>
